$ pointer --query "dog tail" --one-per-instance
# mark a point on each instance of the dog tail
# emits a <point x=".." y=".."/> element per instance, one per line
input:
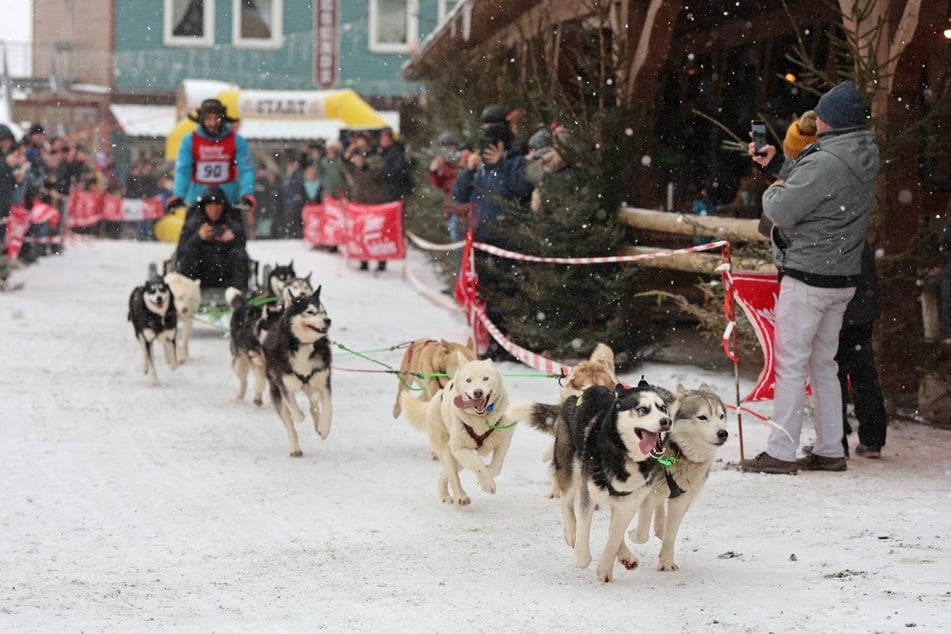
<point x="541" y="416"/>
<point x="414" y="409"/>
<point x="234" y="297"/>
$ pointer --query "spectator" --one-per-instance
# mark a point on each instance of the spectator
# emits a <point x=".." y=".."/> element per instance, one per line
<point x="332" y="171"/>
<point x="702" y="206"/>
<point x="313" y="187"/>
<point x="396" y="166"/>
<point x="141" y="184"/>
<point x="856" y="361"/>
<point x="442" y="173"/>
<point x="267" y="191"/>
<point x="214" y="154"/>
<point x="34" y="140"/>
<point x="292" y="200"/>
<point x="7" y="182"/>
<point x="819" y="208"/>
<point x="366" y="174"/>
<point x="211" y="247"/>
<point x="495" y="185"/>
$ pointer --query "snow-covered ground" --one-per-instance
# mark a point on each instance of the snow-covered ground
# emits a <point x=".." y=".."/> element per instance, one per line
<point x="128" y="508"/>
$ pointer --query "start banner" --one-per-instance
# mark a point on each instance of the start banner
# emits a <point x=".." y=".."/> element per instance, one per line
<point x="373" y="232"/>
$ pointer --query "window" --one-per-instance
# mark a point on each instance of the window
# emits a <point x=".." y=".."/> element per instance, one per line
<point x="257" y="23"/>
<point x="393" y="25"/>
<point x="189" y="22"/>
<point x="445" y="6"/>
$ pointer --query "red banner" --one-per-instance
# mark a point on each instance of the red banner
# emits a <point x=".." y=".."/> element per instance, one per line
<point x="756" y="293"/>
<point x="374" y="232"/>
<point x="18" y="223"/>
<point x="42" y="212"/>
<point x="324" y="224"/>
<point x="85" y="209"/>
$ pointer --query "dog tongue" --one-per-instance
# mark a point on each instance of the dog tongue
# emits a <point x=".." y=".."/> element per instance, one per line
<point x="648" y="442"/>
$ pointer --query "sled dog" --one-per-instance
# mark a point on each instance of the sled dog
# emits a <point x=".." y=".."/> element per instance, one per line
<point x="697" y="431"/>
<point x="153" y="318"/>
<point x="297" y="356"/>
<point x="605" y="444"/>
<point x="598" y="369"/>
<point x="465" y="420"/>
<point x="295" y="287"/>
<point x="186" y="293"/>
<point x="250" y="320"/>
<point x="429" y="364"/>
<point x="278" y="278"/>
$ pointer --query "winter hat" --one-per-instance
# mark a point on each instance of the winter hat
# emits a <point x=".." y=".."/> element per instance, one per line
<point x="493" y="113"/>
<point x="6" y="132"/>
<point x="36" y="128"/>
<point x="842" y="107"/>
<point x="213" y="194"/>
<point x="800" y="134"/>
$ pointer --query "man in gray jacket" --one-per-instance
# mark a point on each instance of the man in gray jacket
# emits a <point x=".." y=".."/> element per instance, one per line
<point x="819" y="208"/>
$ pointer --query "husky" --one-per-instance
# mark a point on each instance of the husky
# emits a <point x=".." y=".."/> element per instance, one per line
<point x="186" y="293"/>
<point x="153" y="318"/>
<point x="606" y="442"/>
<point x="598" y="369"/>
<point x="297" y="356"/>
<point x="250" y="320"/>
<point x="429" y="363"/>
<point x="697" y="431"/>
<point x="465" y="420"/>
<point x="278" y="278"/>
<point x="295" y="287"/>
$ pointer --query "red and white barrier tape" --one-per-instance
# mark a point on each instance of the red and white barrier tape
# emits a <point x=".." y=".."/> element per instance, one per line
<point x="512" y="255"/>
<point x="435" y="297"/>
<point x="529" y="358"/>
<point x="432" y="246"/>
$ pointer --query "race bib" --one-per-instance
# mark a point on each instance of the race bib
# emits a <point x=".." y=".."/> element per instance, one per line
<point x="212" y="172"/>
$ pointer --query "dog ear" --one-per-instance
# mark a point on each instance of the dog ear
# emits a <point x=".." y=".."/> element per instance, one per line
<point x="705" y="388"/>
<point x="308" y="277"/>
<point x="643" y="384"/>
<point x="316" y="294"/>
<point x="460" y="359"/>
<point x="471" y="344"/>
<point x="680" y="388"/>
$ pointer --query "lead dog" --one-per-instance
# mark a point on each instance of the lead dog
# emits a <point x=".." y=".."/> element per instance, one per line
<point x="605" y="444"/>
<point x="429" y="364"/>
<point x="465" y="420"/>
<point x="186" y="293"/>
<point x="598" y="369"/>
<point x="153" y="318"/>
<point x="697" y="431"/>
<point x="297" y="354"/>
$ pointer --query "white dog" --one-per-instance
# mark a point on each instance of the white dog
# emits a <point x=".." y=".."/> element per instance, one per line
<point x="465" y="420"/>
<point x="186" y="293"/>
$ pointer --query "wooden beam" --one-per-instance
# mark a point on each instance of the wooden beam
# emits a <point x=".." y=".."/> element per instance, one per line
<point x="690" y="224"/>
<point x="704" y="263"/>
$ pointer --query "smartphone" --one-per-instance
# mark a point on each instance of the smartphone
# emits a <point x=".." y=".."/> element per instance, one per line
<point x="759" y="136"/>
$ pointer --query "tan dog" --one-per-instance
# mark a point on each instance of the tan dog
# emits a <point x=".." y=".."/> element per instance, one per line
<point x="597" y="370"/>
<point x="465" y="420"/>
<point x="426" y="358"/>
<point x="697" y="431"/>
<point x="186" y="294"/>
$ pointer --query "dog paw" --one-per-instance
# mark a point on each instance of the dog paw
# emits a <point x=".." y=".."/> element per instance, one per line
<point x="629" y="561"/>
<point x="297" y="453"/>
<point x="463" y="500"/>
<point x="637" y="536"/>
<point x="605" y="576"/>
<point x="582" y="560"/>
<point x="487" y="483"/>
<point x="257" y="401"/>
<point x="667" y="566"/>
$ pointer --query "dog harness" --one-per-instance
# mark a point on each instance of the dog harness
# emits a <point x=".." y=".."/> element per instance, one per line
<point x="675" y="489"/>
<point x="478" y="438"/>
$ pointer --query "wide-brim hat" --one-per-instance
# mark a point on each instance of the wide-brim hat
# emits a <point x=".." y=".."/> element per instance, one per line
<point x="211" y="106"/>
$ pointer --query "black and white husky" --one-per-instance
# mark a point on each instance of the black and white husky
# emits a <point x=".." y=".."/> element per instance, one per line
<point x="153" y="317"/>
<point x="251" y="317"/>
<point x="297" y="354"/>
<point x="278" y="277"/>
<point x="606" y="442"/>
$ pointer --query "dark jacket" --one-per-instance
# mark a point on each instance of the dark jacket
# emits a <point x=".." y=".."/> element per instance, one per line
<point x="490" y="188"/>
<point x="866" y="305"/>
<point x="189" y="244"/>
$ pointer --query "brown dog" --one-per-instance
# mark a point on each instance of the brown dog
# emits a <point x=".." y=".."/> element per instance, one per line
<point x="430" y="364"/>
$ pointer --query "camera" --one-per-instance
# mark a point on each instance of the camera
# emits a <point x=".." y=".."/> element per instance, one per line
<point x="220" y="230"/>
<point x="759" y="136"/>
<point x="493" y="133"/>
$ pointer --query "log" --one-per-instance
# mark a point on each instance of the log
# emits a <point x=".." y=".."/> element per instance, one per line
<point x="696" y="262"/>
<point x="689" y="224"/>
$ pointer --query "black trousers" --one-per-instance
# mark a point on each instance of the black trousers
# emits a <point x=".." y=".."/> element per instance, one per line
<point x="216" y="267"/>
<point x="856" y="359"/>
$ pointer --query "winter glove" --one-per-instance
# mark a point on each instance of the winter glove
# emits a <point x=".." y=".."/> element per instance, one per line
<point x="250" y="201"/>
<point x="172" y="203"/>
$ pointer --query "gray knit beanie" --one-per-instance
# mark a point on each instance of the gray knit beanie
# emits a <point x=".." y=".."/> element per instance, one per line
<point x="842" y="107"/>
